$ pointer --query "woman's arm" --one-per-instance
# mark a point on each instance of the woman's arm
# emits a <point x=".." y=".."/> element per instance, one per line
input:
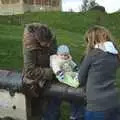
<point x="83" y="70"/>
<point x="53" y="48"/>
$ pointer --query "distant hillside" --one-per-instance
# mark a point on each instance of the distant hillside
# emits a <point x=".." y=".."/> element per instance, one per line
<point x="69" y="27"/>
<point x="75" y="22"/>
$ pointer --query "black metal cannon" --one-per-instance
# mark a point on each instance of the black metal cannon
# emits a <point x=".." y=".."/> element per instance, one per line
<point x="13" y="103"/>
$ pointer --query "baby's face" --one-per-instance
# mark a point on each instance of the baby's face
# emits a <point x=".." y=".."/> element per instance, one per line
<point x="64" y="56"/>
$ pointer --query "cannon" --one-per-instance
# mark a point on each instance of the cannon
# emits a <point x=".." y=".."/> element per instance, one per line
<point x="15" y="105"/>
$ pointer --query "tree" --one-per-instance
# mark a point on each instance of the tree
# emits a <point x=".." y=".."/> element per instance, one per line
<point x="84" y="5"/>
<point x="92" y="3"/>
<point x="118" y="10"/>
<point x="88" y="4"/>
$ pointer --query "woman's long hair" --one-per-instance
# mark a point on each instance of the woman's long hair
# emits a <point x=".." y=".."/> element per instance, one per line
<point x="34" y="34"/>
<point x="98" y="34"/>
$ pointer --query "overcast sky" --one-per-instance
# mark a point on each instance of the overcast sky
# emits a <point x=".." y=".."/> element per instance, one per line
<point x="110" y="5"/>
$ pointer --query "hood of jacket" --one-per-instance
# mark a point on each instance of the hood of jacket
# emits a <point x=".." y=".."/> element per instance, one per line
<point x="107" y="47"/>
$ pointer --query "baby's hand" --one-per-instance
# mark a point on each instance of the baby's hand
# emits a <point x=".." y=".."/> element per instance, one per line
<point x="60" y="75"/>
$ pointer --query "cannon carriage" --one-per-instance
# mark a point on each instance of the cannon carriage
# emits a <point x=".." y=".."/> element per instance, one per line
<point x="15" y="105"/>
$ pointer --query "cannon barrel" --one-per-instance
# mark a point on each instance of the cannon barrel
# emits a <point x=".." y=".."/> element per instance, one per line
<point x="65" y="92"/>
<point x="12" y="81"/>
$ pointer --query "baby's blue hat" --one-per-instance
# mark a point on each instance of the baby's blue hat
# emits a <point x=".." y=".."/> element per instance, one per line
<point x="63" y="49"/>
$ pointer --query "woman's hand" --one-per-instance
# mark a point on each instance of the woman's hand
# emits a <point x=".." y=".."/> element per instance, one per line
<point x="48" y="74"/>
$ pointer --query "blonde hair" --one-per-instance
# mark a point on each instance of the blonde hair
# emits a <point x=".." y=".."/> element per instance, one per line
<point x="34" y="33"/>
<point x="96" y="35"/>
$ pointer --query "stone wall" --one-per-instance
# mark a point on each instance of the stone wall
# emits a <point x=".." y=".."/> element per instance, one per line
<point x="11" y="9"/>
<point x="21" y="8"/>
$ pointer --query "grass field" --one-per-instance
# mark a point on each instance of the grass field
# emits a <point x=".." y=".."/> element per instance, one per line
<point x="68" y="27"/>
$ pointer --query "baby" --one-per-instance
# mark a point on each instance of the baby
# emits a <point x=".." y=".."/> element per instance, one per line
<point x="64" y="67"/>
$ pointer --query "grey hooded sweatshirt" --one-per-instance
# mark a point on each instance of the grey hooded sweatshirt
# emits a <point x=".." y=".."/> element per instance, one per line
<point x="98" y="73"/>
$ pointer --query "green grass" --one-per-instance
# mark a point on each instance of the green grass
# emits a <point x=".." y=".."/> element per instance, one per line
<point x="68" y="27"/>
<point x="10" y="46"/>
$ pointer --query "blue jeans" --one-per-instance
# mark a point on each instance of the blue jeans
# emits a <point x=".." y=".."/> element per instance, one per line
<point x="111" y="114"/>
<point x="53" y="110"/>
<point x="77" y="111"/>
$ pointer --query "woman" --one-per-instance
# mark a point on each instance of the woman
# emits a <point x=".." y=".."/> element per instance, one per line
<point x="98" y="73"/>
<point x="38" y="44"/>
